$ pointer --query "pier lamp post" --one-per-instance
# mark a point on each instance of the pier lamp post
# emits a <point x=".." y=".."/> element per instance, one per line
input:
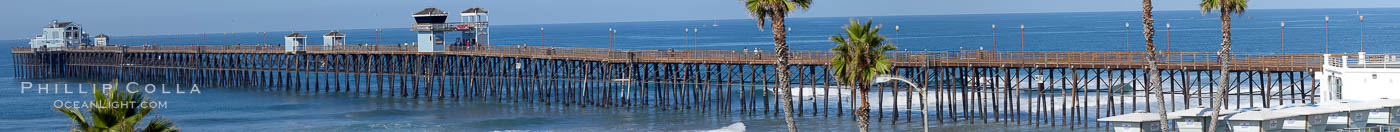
<point x="611" y="34"/>
<point x="1127" y="40"/>
<point x="541" y="36"/>
<point x="896" y="36"/>
<point x="1281" y="36"/>
<point x="1363" y="34"/>
<point x="1327" y="35"/>
<point x="1168" y="48"/>
<point x="1022" y="55"/>
<point x="261" y="37"/>
<point x="994" y="37"/>
<point x="696" y="39"/>
<point x="882" y="78"/>
<point x="615" y="37"/>
<point x="686" y="42"/>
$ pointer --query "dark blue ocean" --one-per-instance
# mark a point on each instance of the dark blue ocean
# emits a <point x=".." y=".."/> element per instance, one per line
<point x="231" y="108"/>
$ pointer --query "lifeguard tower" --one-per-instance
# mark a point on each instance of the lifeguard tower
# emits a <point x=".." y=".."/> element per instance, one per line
<point x="100" y="40"/>
<point x="333" y="39"/>
<point x="294" y="42"/>
<point x="431" y="25"/>
<point x="477" y="31"/>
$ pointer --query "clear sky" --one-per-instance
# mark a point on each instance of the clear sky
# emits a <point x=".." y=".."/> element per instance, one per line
<point x="23" y="18"/>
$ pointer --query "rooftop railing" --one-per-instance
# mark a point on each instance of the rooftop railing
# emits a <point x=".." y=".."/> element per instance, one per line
<point x="451" y="26"/>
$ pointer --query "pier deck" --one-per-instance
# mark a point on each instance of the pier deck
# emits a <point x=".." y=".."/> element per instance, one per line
<point x="1054" y="89"/>
<point x="1039" y="59"/>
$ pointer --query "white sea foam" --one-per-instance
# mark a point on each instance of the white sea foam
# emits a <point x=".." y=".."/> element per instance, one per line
<point x="1026" y="100"/>
<point x="736" y="127"/>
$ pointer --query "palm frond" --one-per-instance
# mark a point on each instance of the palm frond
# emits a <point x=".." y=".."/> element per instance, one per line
<point x="1227" y="6"/>
<point x="762" y="10"/>
<point x="79" y="121"/>
<point x="160" y="125"/>
<point x="110" y="114"/>
<point x="860" y="53"/>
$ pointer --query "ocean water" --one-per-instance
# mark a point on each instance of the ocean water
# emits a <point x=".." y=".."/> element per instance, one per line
<point x="250" y="109"/>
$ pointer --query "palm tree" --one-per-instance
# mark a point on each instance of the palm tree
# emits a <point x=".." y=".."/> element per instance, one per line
<point x="103" y="118"/>
<point x="1225" y="7"/>
<point x="1154" y="83"/>
<point x="859" y="57"/>
<point x="776" y="11"/>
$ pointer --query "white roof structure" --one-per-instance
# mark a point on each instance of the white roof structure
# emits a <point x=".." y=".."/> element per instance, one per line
<point x="1347" y="105"/>
<point x="429" y="12"/>
<point x="1136" y="116"/>
<point x="1385" y="102"/>
<point x="1198" y="111"/>
<point x="334" y="34"/>
<point x="1305" y="109"/>
<point x="474" y="12"/>
<point x="296" y="35"/>
<point x="1257" y="115"/>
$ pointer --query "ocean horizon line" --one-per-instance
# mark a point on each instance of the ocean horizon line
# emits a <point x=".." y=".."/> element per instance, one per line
<point x="793" y="18"/>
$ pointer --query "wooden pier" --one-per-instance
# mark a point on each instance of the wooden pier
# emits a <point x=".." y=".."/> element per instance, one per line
<point x="1042" y="89"/>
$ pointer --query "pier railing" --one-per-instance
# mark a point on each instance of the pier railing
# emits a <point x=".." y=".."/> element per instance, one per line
<point x="1369" y="61"/>
<point x="451" y="26"/>
<point x="966" y="86"/>
<point x="1167" y="60"/>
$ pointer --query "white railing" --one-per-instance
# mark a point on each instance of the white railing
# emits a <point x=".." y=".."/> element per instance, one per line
<point x="451" y="26"/>
<point x="1361" y="60"/>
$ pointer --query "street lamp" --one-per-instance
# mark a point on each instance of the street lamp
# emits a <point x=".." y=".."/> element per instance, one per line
<point x="922" y="101"/>
<point x="1127" y="40"/>
<point x="1168" y="48"/>
<point x="1327" y="38"/>
<point x="994" y="36"/>
<point x="610" y="37"/>
<point x="378" y="35"/>
<point x="896" y="36"/>
<point x="541" y="37"/>
<point x="686" y="41"/>
<point x="1281" y="34"/>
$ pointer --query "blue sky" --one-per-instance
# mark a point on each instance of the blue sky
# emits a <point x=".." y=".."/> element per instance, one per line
<point x="23" y="18"/>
